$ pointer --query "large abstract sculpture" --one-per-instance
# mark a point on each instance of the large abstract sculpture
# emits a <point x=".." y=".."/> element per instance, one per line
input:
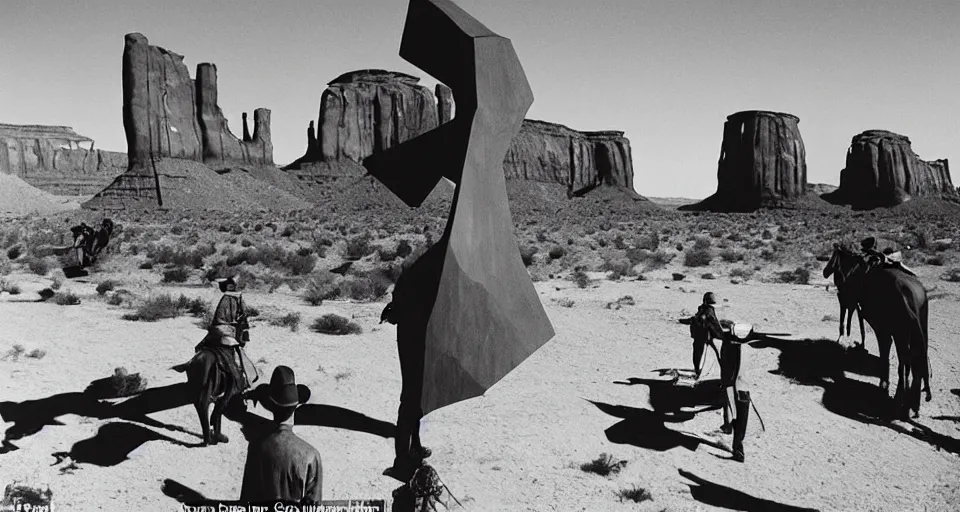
<point x="486" y="317"/>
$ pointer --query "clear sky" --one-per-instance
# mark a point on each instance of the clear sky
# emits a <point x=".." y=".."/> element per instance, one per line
<point x="667" y="72"/>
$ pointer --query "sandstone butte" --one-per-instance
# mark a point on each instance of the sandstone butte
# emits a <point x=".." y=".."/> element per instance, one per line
<point x="762" y="163"/>
<point x="56" y="159"/>
<point x="169" y="117"/>
<point x="366" y="111"/>
<point x="882" y="171"/>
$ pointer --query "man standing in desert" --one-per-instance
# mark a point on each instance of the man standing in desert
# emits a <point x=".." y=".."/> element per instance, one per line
<point x="413" y="299"/>
<point x="280" y="465"/>
<point x="705" y="327"/>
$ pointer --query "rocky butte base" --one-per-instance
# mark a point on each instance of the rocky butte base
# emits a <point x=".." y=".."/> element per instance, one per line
<point x="883" y="171"/>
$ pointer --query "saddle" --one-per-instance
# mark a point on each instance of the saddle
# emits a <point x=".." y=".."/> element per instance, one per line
<point x="226" y="360"/>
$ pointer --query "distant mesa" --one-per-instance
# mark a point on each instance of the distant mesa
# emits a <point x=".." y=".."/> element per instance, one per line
<point x="883" y="171"/>
<point x="169" y="116"/>
<point x="367" y="111"/>
<point x="762" y="163"/>
<point x="56" y="159"/>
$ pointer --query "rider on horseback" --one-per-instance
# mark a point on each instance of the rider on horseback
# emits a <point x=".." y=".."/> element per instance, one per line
<point x="228" y="333"/>
<point x="887" y="258"/>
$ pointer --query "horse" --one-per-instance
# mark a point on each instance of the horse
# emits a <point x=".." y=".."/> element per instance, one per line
<point x="895" y="304"/>
<point x="848" y="304"/>
<point x="208" y="383"/>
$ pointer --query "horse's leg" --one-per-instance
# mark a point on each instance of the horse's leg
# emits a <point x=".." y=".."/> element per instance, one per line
<point x="883" y="343"/>
<point x="901" y="339"/>
<point x="217" y="418"/>
<point x="924" y="313"/>
<point x="202" y="404"/>
<point x="843" y="313"/>
<point x="863" y="334"/>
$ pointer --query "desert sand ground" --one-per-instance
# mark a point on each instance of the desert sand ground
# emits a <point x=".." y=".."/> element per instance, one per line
<point x="521" y="445"/>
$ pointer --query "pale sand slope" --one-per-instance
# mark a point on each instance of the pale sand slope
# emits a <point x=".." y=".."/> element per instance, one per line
<point x="18" y="198"/>
<point x="517" y="448"/>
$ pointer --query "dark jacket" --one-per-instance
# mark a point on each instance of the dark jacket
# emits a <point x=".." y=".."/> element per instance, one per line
<point x="705" y="324"/>
<point x="229" y="315"/>
<point x="281" y="466"/>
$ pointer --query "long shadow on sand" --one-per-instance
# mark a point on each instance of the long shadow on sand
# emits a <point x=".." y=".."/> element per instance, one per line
<point x="30" y="416"/>
<point x="674" y="401"/>
<point x="113" y="443"/>
<point x="644" y="428"/>
<point x="823" y="363"/>
<point x="717" y="495"/>
<point x="318" y="415"/>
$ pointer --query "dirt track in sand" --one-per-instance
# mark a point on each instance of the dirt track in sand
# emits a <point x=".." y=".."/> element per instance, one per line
<point x="517" y="448"/>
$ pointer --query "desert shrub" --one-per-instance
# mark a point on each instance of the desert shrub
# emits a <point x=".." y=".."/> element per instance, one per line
<point x="124" y="384"/>
<point x="335" y="324"/>
<point x="404" y="249"/>
<point x="618" y="266"/>
<point x="36" y="354"/>
<point x="731" y="256"/>
<point x="936" y="260"/>
<point x="635" y="494"/>
<point x="358" y="247"/>
<point x="15" y="252"/>
<point x="769" y="255"/>
<point x="701" y="243"/>
<point x="66" y="299"/>
<point x="155" y="308"/>
<point x="953" y="275"/>
<point x="798" y="276"/>
<point x="678" y="276"/>
<point x="290" y="320"/>
<point x="115" y="299"/>
<point x="106" y="286"/>
<point x="15" y="352"/>
<point x="177" y="230"/>
<point x="11" y="288"/>
<point x="526" y="254"/>
<point x="938" y="246"/>
<point x="557" y="252"/>
<point x="767" y="234"/>
<point x="367" y="287"/>
<point x="697" y="257"/>
<point x="581" y="278"/>
<point x="38" y="266"/>
<point x="565" y="302"/>
<point x="322" y="287"/>
<point x="176" y="275"/>
<point x="300" y="264"/>
<point x="146" y="265"/>
<point x="708" y="276"/>
<point x="604" y="465"/>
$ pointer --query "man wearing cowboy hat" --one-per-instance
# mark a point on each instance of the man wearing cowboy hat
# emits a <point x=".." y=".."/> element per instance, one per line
<point x="280" y="465"/>
<point x="413" y="299"/>
<point x="704" y="328"/>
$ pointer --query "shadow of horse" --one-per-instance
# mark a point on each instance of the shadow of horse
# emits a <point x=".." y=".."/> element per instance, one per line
<point x="30" y="416"/>
<point x="716" y="495"/>
<point x="824" y="363"/>
<point x="644" y="428"/>
<point x="113" y="443"/>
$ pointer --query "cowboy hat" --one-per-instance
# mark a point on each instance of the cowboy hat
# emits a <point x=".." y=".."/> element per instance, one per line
<point x="283" y="392"/>
<point x="709" y="298"/>
<point x="224" y="283"/>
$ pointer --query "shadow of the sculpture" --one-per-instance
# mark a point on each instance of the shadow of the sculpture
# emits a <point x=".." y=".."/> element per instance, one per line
<point x="823" y="363"/>
<point x="644" y="428"/>
<point x="716" y="495"/>
<point x="318" y="415"/>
